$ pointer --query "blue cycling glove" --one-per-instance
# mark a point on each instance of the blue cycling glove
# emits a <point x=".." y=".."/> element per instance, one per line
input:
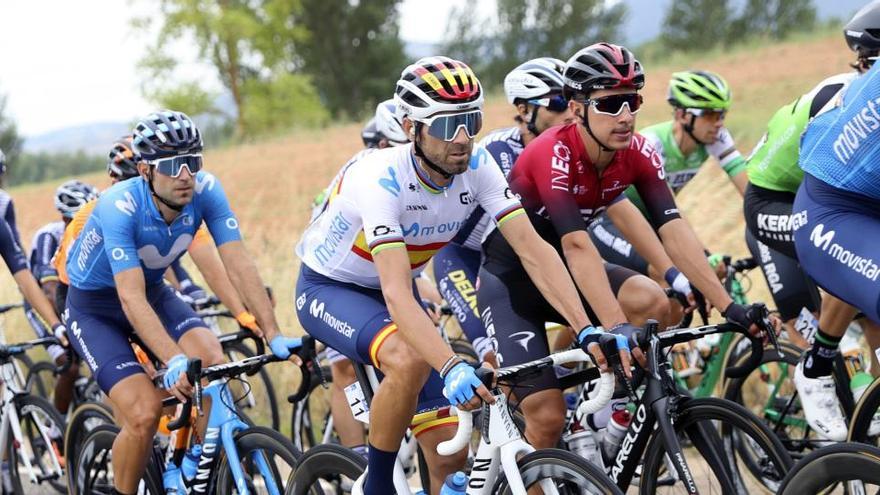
<point x="176" y="366"/>
<point x="282" y="346"/>
<point x="459" y="384"/>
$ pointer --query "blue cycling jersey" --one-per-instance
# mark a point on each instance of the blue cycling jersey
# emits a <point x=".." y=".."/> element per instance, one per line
<point x="841" y="147"/>
<point x="10" y="249"/>
<point x="127" y="231"/>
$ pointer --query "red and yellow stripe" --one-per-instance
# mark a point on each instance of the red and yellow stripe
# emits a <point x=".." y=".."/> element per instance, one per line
<point x="419" y="255"/>
<point x="377" y="342"/>
<point x="432" y="419"/>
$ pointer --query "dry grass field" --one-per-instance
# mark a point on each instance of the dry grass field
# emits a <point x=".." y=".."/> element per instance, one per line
<point x="271" y="183"/>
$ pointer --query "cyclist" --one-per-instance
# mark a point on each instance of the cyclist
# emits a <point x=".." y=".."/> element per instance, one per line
<point x="534" y="88"/>
<point x="391" y="211"/>
<point x="138" y="227"/>
<point x="700" y="100"/>
<point x="7" y="211"/>
<point x="382" y="131"/>
<point x="774" y="179"/>
<point x="69" y="198"/>
<point x="122" y="165"/>
<point x="564" y="178"/>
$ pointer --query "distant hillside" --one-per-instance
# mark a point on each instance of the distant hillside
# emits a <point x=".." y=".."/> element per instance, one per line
<point x="91" y="138"/>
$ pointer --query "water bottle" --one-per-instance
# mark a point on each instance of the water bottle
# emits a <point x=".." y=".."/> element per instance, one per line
<point x="858" y="383"/>
<point x="171" y="478"/>
<point x="614" y="432"/>
<point x="190" y="463"/>
<point x="582" y="442"/>
<point x="5" y="477"/>
<point x="455" y="484"/>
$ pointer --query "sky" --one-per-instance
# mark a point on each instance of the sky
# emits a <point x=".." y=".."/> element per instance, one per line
<point x="69" y="62"/>
<point x="64" y="63"/>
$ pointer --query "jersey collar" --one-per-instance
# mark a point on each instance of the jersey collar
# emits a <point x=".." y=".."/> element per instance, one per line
<point x="425" y="180"/>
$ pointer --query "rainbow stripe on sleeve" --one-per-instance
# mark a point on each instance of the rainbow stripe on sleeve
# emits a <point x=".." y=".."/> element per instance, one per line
<point x="507" y="214"/>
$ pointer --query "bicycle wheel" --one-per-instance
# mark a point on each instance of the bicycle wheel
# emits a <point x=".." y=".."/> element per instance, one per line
<point x="255" y="395"/>
<point x="326" y="469"/>
<point x="769" y="393"/>
<point x="864" y="412"/>
<point x="714" y="458"/>
<point x="464" y="349"/>
<point x="267" y="459"/>
<point x="309" y="418"/>
<point x="567" y="472"/>
<point x="41" y="379"/>
<point x="42" y="427"/>
<point x="83" y="420"/>
<point x="854" y="467"/>
<point x="95" y="466"/>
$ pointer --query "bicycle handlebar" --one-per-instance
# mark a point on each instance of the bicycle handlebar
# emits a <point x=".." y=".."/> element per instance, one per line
<point x="193" y="370"/>
<point x="465" y="421"/>
<point x="8" y="351"/>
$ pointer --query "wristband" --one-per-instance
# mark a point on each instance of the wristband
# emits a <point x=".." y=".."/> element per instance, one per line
<point x="449" y="364"/>
<point x="246" y="319"/>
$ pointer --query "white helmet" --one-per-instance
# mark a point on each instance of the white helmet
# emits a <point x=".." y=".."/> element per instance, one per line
<point x="72" y="195"/>
<point x="437" y="84"/>
<point x="387" y="124"/>
<point x="534" y="79"/>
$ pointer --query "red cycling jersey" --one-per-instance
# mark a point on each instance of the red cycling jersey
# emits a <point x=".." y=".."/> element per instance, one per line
<point x="562" y="191"/>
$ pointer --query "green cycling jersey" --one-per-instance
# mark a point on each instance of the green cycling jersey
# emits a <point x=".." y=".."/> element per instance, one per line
<point x="773" y="163"/>
<point x="680" y="169"/>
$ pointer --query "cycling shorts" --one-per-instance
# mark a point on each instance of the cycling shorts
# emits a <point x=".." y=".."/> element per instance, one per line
<point x="769" y="219"/>
<point x="613" y="247"/>
<point x="101" y="334"/>
<point x="514" y="313"/>
<point x="455" y="270"/>
<point x="836" y="236"/>
<point x="355" y="321"/>
<point x="790" y="287"/>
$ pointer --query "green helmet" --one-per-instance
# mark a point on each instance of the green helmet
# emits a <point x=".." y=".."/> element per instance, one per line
<point x="698" y="89"/>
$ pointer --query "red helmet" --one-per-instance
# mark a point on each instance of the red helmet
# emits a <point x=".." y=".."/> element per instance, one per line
<point x="602" y="66"/>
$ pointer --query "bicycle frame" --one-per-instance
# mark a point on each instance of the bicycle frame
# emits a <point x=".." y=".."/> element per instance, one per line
<point x="10" y="422"/>
<point x="223" y="425"/>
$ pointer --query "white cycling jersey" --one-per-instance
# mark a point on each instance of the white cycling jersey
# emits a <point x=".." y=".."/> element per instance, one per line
<point x="385" y="200"/>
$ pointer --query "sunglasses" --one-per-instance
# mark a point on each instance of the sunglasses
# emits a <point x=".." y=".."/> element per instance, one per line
<point x="614" y="104"/>
<point x="555" y="103"/>
<point x="173" y="166"/>
<point x="709" y="114"/>
<point x="446" y="127"/>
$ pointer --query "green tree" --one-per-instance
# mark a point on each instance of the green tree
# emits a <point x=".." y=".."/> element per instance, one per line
<point x="43" y="166"/>
<point x="249" y="43"/>
<point x="528" y="29"/>
<point x="773" y="18"/>
<point x="10" y="141"/>
<point x="696" y="24"/>
<point x="352" y="52"/>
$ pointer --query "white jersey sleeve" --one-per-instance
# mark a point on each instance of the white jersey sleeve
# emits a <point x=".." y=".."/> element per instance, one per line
<point x="724" y="148"/>
<point x="492" y="190"/>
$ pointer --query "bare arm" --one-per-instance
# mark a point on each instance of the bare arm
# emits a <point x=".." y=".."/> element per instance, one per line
<point x="547" y="270"/>
<point x="35" y="296"/>
<point x="413" y="323"/>
<point x="211" y="267"/>
<point x="132" y="292"/>
<point x="588" y="271"/>
<point x="740" y="180"/>
<point x="243" y="274"/>
<point x="686" y="251"/>
<point x="636" y="229"/>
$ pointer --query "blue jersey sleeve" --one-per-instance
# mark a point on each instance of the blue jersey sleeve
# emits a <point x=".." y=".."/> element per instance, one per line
<point x="118" y="221"/>
<point x="503" y="154"/>
<point x="215" y="209"/>
<point x="11" y="250"/>
<point x="41" y="259"/>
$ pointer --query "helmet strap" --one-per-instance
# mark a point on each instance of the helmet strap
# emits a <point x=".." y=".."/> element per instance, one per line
<point x="421" y="155"/>
<point x="689" y="129"/>
<point x="531" y="124"/>
<point x="586" y="123"/>
<point x="162" y="200"/>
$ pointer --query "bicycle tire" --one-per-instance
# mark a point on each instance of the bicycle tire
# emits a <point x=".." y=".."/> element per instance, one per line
<point x="785" y="406"/>
<point x="26" y="406"/>
<point x="324" y="462"/>
<point x="78" y="427"/>
<point x="37" y="382"/>
<point x="249" y="442"/>
<point x="578" y="474"/>
<point x="828" y="466"/>
<point x="863" y="414"/>
<point x="464" y="349"/>
<point x="719" y="411"/>
<point x="267" y="385"/>
<point x="94" y="466"/>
